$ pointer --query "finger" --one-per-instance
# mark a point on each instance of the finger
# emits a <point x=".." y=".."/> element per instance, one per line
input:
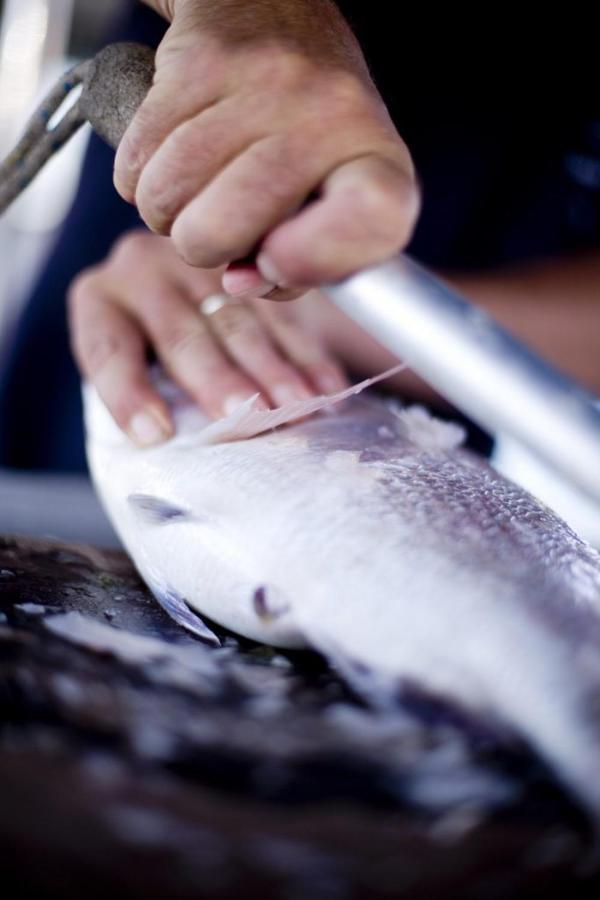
<point x="189" y="351"/>
<point x="366" y="213"/>
<point x="187" y="160"/>
<point x="247" y="342"/>
<point x="193" y="283"/>
<point x="179" y="93"/>
<point x="254" y="192"/>
<point x="110" y="351"/>
<point x="304" y="350"/>
<point x="244" y="281"/>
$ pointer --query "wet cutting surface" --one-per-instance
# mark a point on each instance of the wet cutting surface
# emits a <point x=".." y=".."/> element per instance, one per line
<point x="137" y="761"/>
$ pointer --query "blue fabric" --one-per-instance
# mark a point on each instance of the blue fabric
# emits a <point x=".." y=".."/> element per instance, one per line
<point x="40" y="408"/>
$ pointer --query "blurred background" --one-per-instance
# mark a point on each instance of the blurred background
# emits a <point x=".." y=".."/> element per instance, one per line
<point x="39" y="40"/>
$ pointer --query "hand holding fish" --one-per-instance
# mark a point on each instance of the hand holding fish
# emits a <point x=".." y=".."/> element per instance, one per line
<point x="256" y="108"/>
<point x="219" y="350"/>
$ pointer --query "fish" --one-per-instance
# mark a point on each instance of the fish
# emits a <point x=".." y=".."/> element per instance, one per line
<point x="365" y="530"/>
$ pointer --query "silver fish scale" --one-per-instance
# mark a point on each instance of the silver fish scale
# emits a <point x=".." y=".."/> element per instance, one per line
<point x="484" y="521"/>
<point x="457" y="495"/>
<point x="373" y="537"/>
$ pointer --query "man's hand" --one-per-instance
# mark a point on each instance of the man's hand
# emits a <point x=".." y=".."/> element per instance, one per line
<point x="264" y="133"/>
<point x="144" y="295"/>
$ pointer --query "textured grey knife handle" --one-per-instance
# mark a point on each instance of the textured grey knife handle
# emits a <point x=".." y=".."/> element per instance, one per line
<point x="113" y="83"/>
<point x="119" y="78"/>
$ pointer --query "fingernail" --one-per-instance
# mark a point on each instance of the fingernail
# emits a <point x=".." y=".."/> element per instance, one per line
<point x="328" y="383"/>
<point x="230" y="404"/>
<point x="149" y="427"/>
<point x="269" y="270"/>
<point x="289" y="393"/>
<point x="245" y="285"/>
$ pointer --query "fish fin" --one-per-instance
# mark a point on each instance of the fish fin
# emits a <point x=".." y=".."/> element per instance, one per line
<point x="156" y="510"/>
<point x="180" y="612"/>
<point x="173" y="603"/>
<point x="428" y="432"/>
<point x="378" y="689"/>
<point x="247" y="422"/>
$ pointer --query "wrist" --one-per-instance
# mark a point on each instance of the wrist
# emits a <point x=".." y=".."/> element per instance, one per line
<point x="165" y="8"/>
<point x="316" y="28"/>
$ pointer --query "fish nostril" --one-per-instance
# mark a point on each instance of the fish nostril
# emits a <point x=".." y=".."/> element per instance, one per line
<point x="268" y="603"/>
<point x="259" y="599"/>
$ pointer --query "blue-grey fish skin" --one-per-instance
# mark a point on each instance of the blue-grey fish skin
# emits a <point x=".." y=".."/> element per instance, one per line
<point x="371" y="535"/>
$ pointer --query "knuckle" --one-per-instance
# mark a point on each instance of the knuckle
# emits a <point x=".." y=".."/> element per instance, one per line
<point x="157" y="199"/>
<point x="281" y="66"/>
<point x="279" y="370"/>
<point x="389" y="200"/>
<point x="233" y="321"/>
<point x="309" y="354"/>
<point x="185" y="138"/>
<point x="217" y="372"/>
<point x="177" y="341"/>
<point x="134" y="151"/>
<point x="138" y="143"/>
<point x="376" y="200"/>
<point x="262" y="356"/>
<point x="96" y="349"/>
<point x="277" y="165"/>
<point x="86" y="288"/>
<point x="196" y="245"/>
<point x="156" y="211"/>
<point x="346" y="94"/>
<point x="159" y="311"/>
<point x="80" y="287"/>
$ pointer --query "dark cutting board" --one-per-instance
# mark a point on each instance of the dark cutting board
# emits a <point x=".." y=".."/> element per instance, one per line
<point x="135" y="762"/>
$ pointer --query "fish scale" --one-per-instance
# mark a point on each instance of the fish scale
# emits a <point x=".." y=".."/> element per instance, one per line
<point x="371" y="535"/>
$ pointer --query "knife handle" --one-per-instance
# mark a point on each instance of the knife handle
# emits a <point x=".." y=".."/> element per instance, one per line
<point x="118" y="80"/>
<point x="113" y="83"/>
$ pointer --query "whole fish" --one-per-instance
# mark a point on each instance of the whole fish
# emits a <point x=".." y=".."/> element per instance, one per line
<point x="368" y="533"/>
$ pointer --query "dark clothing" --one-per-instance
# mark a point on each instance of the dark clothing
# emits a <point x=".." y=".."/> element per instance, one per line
<point x="504" y="131"/>
<point x="509" y="170"/>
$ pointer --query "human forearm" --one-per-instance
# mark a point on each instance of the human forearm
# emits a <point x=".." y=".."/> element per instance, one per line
<point x="312" y="25"/>
<point x="162" y="7"/>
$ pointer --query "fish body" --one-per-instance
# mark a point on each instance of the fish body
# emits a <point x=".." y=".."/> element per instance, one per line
<point x="371" y="535"/>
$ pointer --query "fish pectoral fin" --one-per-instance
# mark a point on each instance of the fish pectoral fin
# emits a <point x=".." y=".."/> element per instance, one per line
<point x="156" y="510"/>
<point x="379" y="689"/>
<point x="177" y="608"/>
